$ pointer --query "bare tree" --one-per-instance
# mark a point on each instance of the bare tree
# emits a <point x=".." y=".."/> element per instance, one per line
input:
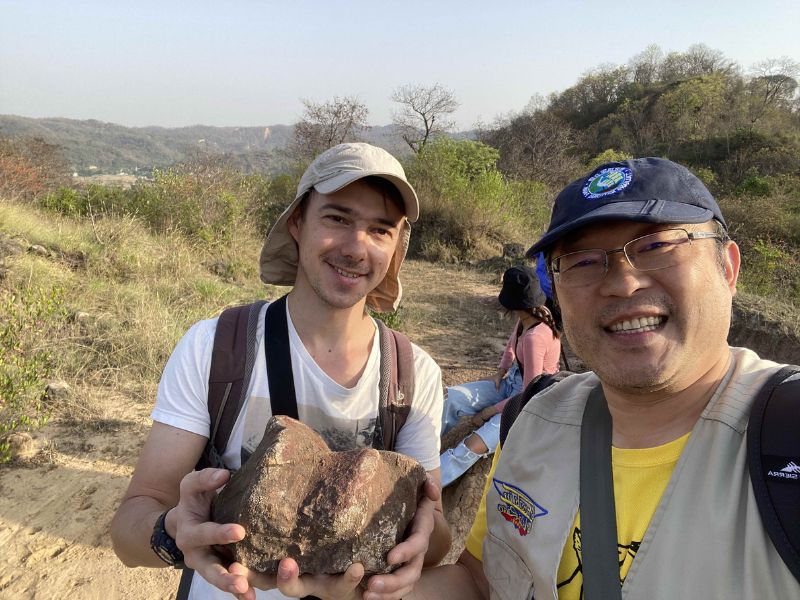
<point x="773" y="83"/>
<point x="698" y="60"/>
<point x="537" y="103"/>
<point x="327" y="124"/>
<point x="423" y="112"/>
<point x="644" y="66"/>
<point x="534" y="145"/>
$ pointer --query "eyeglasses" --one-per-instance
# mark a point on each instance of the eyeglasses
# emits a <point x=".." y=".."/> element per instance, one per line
<point x="651" y="252"/>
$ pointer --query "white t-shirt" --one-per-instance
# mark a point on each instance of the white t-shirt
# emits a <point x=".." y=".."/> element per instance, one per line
<point x="321" y="403"/>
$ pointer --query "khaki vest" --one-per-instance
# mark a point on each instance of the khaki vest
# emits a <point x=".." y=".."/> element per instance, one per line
<point x="705" y="539"/>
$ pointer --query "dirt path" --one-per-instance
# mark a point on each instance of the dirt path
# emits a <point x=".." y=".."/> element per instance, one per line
<point x="55" y="512"/>
<point x="55" y="506"/>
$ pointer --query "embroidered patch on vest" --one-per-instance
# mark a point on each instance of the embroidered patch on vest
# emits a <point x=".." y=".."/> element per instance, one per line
<point x="517" y="507"/>
<point x="607" y="182"/>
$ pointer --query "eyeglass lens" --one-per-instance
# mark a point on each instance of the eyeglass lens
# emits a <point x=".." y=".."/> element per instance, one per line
<point x="658" y="250"/>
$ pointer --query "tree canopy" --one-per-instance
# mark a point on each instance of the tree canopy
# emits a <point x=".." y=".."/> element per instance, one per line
<point x="696" y="106"/>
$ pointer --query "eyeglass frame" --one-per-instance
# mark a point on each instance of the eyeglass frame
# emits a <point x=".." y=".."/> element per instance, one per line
<point x="690" y="235"/>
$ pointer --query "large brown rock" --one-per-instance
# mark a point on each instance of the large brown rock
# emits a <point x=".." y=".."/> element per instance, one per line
<point x="325" y="509"/>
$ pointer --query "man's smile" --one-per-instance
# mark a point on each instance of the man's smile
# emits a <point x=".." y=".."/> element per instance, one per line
<point x="637" y="324"/>
<point x="347" y="272"/>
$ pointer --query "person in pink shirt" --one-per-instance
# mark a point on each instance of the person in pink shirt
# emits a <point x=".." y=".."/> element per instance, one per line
<point x="533" y="348"/>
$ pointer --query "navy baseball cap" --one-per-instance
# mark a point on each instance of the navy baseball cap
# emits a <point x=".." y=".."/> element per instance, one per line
<point x="648" y="190"/>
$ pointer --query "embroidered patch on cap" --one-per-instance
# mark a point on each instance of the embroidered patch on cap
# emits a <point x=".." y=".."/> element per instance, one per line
<point x="607" y="182"/>
<point x="517" y="507"/>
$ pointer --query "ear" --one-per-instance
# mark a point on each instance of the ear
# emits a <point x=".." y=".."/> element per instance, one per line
<point x="294" y="223"/>
<point x="733" y="260"/>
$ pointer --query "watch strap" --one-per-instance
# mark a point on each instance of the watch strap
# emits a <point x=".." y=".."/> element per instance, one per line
<point x="163" y="544"/>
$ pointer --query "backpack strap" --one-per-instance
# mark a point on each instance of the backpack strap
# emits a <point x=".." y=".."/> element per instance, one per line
<point x="396" y="386"/>
<point x="773" y="457"/>
<point x="279" y="360"/>
<point x="185" y="584"/>
<point x="232" y="360"/>
<point x="599" y="559"/>
<point x="516" y="403"/>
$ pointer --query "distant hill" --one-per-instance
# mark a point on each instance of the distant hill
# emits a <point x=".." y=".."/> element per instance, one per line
<point x="111" y="148"/>
<point x="95" y="147"/>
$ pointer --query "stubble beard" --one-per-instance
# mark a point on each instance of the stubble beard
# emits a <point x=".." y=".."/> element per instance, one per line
<point x="337" y="301"/>
<point x="340" y="301"/>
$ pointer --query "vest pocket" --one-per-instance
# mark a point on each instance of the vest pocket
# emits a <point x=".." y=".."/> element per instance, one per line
<point x="508" y="576"/>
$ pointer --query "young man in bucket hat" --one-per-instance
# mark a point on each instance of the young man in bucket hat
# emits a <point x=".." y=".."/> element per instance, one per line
<point x="340" y="244"/>
<point x="644" y="273"/>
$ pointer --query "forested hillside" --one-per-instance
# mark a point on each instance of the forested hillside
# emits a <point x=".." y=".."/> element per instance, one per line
<point x="697" y="107"/>
<point x="93" y="147"/>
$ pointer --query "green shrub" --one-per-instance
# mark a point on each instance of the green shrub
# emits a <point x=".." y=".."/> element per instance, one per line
<point x="393" y="319"/>
<point x="271" y="199"/>
<point x="468" y="208"/>
<point x="531" y="203"/>
<point x="771" y="269"/>
<point x="767" y="229"/>
<point x="201" y="201"/>
<point x="707" y="176"/>
<point x="755" y="185"/>
<point x="26" y="326"/>
<point x="190" y="203"/>
<point x="775" y="217"/>
<point x="95" y="200"/>
<point x="607" y="156"/>
<point x="67" y="201"/>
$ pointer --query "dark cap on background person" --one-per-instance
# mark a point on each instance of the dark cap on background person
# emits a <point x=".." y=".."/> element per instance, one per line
<point x="330" y="172"/>
<point x="647" y="190"/>
<point x="521" y="289"/>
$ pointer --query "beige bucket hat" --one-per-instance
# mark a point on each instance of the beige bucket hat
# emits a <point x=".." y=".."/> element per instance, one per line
<point x="331" y="171"/>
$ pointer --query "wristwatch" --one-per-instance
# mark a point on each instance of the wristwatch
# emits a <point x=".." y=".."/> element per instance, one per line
<point x="164" y="545"/>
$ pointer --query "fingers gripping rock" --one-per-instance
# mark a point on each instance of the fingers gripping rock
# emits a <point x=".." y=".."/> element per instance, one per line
<point x="327" y="510"/>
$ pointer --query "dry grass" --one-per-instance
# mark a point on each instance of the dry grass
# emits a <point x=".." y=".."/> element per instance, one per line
<point x="131" y="295"/>
<point x="138" y="292"/>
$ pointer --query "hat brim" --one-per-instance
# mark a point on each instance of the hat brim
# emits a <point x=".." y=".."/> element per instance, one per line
<point x="341" y="180"/>
<point x="278" y="262"/>
<point x="644" y="211"/>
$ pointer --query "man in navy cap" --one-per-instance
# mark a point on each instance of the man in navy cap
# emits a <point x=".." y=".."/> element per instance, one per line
<point x="644" y="273"/>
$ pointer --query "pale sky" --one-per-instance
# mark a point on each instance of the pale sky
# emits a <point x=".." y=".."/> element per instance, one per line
<point x="249" y="62"/>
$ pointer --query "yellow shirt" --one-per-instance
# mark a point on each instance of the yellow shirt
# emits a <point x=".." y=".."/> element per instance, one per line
<point x="640" y="478"/>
